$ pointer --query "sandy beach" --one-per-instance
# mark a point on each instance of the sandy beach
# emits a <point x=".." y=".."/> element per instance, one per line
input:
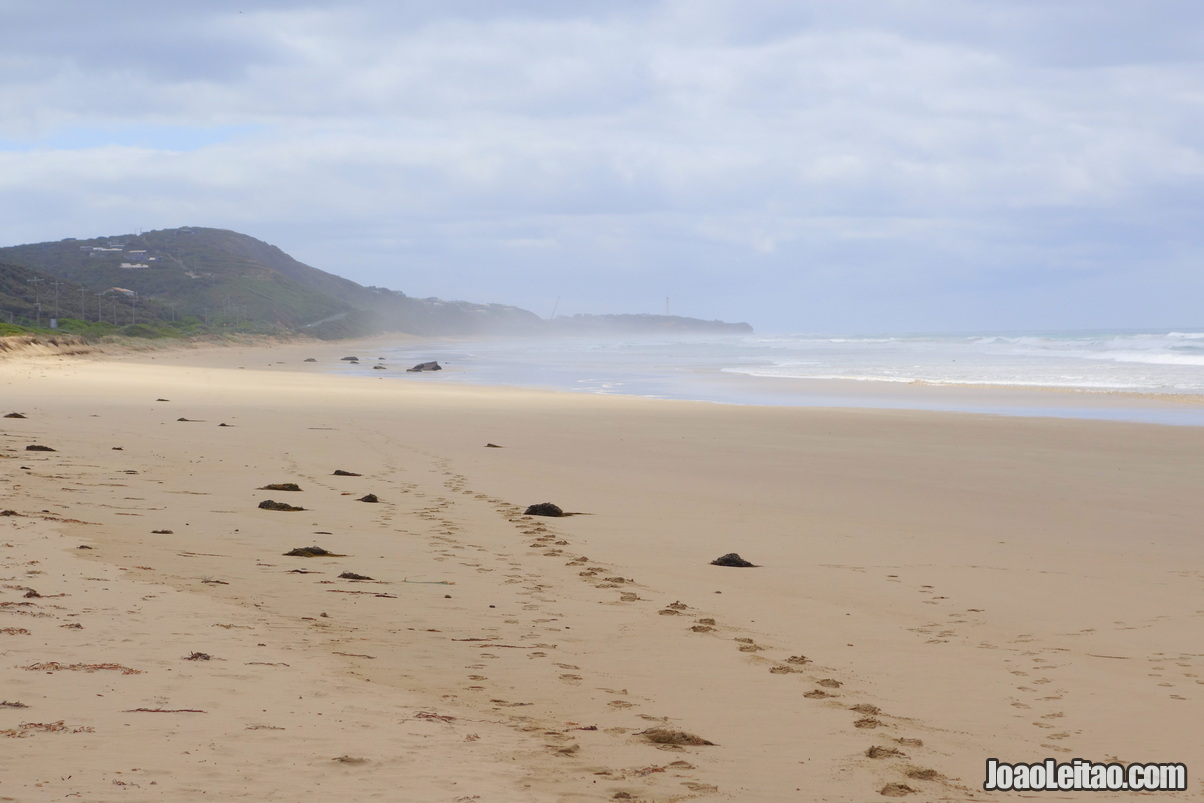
<point x="931" y="590"/>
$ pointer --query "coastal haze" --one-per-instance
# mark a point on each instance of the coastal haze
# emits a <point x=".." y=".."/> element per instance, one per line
<point x="819" y="167"/>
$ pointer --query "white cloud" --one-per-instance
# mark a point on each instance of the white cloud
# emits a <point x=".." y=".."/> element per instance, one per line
<point x="921" y="145"/>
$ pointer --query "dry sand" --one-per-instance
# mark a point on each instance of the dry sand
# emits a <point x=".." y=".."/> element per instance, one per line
<point x="943" y="587"/>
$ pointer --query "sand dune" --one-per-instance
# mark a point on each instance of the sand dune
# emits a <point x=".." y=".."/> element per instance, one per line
<point x="932" y="590"/>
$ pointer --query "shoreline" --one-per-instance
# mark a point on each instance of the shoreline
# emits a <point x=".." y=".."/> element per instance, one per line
<point x="731" y="388"/>
<point x="961" y="586"/>
<point x="719" y="387"/>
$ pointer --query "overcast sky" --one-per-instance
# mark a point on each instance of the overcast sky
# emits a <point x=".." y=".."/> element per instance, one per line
<point x="831" y="166"/>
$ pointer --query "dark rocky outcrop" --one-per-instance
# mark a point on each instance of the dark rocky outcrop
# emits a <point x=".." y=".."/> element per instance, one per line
<point x="268" y="504"/>
<point x="426" y="366"/>
<point x="544" y="509"/>
<point x="368" y="498"/>
<point x="33" y="447"/>
<point x="732" y="559"/>
<point x="281" y="486"/>
<point x="338" y="472"/>
<point x="311" y="552"/>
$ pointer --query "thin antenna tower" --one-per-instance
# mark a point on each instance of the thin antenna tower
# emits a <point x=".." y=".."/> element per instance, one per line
<point x="554" y="308"/>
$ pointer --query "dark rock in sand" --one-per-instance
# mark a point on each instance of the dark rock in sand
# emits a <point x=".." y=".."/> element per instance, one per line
<point x="268" y="504"/>
<point x="13" y="415"/>
<point x="186" y="419"/>
<point x="162" y="532"/>
<point x="33" y="447"/>
<point x="9" y="513"/>
<point x="543" y="509"/>
<point x="732" y="559"/>
<point x="223" y="425"/>
<point x="350" y="359"/>
<point x="492" y="446"/>
<point x="311" y="552"/>
<point x="310" y="359"/>
<point x="281" y="486"/>
<point x="379" y="368"/>
<point x="338" y="472"/>
<point x="353" y="576"/>
<point x="368" y="498"/>
<point x="426" y="366"/>
<point x="162" y="399"/>
<point x="118" y="449"/>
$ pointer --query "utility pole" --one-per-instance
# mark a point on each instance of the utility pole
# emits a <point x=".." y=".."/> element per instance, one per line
<point x="57" y="285"/>
<point x="37" y="299"/>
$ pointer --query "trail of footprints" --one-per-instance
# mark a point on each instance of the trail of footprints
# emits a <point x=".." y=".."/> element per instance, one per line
<point x="445" y="536"/>
<point x="1038" y="694"/>
<point x="1034" y="694"/>
<point x="541" y="536"/>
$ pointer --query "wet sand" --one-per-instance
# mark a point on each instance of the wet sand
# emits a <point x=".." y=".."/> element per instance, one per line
<point x="932" y="589"/>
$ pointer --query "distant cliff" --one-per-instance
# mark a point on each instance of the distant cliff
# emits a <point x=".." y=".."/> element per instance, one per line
<point x="642" y="324"/>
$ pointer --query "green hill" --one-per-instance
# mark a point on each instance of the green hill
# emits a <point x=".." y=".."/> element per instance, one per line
<point x="221" y="280"/>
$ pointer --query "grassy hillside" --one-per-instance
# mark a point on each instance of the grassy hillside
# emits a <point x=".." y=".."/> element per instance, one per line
<point x="30" y="300"/>
<point x="226" y="281"/>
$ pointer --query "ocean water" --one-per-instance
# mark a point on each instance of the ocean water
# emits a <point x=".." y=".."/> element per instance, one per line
<point x="1153" y="376"/>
